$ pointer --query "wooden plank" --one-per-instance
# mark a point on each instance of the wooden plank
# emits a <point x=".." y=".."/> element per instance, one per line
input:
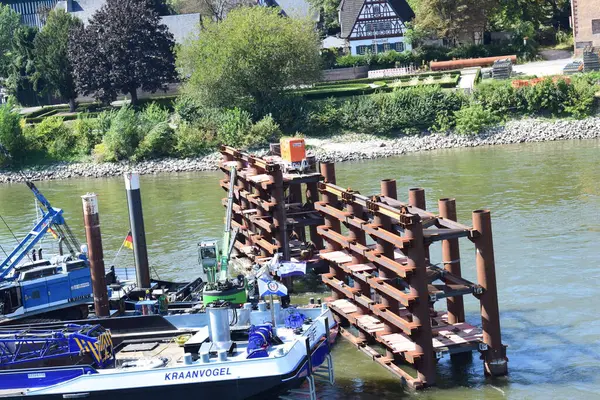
<point x="338" y="257"/>
<point x="360" y="267"/>
<point x="399" y="342"/>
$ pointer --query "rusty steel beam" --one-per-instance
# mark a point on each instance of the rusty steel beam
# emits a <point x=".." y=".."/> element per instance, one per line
<point x="495" y="361"/>
<point x="393" y="319"/>
<point x="381" y="286"/>
<point x="234" y="154"/>
<point x="371" y="229"/>
<point x="91" y="221"/>
<point x="451" y="261"/>
<point x="420" y="310"/>
<point x="441" y="222"/>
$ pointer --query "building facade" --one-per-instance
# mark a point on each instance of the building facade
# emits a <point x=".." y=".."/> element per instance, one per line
<point x="34" y="12"/>
<point x="585" y="21"/>
<point x="374" y="26"/>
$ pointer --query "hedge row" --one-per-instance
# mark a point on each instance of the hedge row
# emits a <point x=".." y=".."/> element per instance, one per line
<point x="354" y="89"/>
<point x="386" y="79"/>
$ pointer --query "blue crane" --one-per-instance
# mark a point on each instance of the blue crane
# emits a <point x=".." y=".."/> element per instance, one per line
<point x="50" y="217"/>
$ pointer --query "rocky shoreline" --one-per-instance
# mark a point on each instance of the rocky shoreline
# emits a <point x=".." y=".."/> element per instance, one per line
<point x="337" y="149"/>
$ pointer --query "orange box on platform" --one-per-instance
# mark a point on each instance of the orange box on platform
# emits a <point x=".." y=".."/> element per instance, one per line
<point x="292" y="149"/>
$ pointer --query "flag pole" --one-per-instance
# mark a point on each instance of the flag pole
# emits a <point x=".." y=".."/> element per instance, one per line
<point x="273" y="311"/>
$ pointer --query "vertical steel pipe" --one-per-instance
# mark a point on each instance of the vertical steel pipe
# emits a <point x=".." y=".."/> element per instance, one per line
<point x="312" y="195"/>
<point x="138" y="233"/>
<point x="416" y="198"/>
<point x="451" y="261"/>
<point x="252" y="171"/>
<point x="279" y="218"/>
<point x="495" y="361"/>
<point x="388" y="188"/>
<point x="95" y="254"/>
<point x="358" y="235"/>
<point x="295" y="196"/>
<point x="420" y="310"/>
<point x="328" y="171"/>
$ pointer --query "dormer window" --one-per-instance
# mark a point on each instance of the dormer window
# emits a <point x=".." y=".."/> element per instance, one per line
<point x="376" y="10"/>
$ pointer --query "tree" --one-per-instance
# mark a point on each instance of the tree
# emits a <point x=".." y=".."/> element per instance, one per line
<point x="449" y="18"/>
<point x="122" y="49"/>
<point x="213" y="10"/>
<point x="254" y="54"/>
<point x="9" y="23"/>
<point x="51" y="59"/>
<point x="329" y="14"/>
<point x="22" y="68"/>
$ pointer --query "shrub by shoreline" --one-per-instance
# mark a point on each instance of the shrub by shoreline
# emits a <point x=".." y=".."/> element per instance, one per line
<point x="342" y="148"/>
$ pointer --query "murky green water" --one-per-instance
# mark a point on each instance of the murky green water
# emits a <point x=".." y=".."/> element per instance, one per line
<point x="545" y="202"/>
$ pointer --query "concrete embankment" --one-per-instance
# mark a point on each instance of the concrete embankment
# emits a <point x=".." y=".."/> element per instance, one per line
<point x="339" y="148"/>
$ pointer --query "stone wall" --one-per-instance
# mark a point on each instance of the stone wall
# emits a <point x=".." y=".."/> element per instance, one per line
<point x="341" y="74"/>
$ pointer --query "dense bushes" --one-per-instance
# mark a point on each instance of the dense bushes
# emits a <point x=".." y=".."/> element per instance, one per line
<point x="409" y="110"/>
<point x="425" y="54"/>
<point x="11" y="134"/>
<point x="558" y="98"/>
<point x="130" y="134"/>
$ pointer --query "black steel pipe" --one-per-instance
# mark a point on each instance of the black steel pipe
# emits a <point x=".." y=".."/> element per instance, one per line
<point x="91" y="221"/>
<point x="138" y="234"/>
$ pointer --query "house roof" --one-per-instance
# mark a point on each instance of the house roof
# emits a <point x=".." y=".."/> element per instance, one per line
<point x="85" y="9"/>
<point x="297" y="9"/>
<point x="31" y="10"/>
<point x="350" y="10"/>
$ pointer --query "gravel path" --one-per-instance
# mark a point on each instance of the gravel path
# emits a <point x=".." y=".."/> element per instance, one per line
<point x="337" y="149"/>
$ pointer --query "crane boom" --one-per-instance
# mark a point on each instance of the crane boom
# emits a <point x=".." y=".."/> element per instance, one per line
<point x="51" y="216"/>
<point x="226" y="245"/>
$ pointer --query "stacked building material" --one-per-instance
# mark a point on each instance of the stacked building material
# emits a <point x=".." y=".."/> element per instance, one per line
<point x="502" y="69"/>
<point x="573" y="67"/>
<point x="590" y="60"/>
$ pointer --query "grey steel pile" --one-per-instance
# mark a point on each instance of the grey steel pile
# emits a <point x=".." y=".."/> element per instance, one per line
<point x="502" y="69"/>
<point x="590" y="60"/>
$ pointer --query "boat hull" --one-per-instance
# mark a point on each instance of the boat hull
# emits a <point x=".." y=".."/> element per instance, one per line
<point x="262" y="387"/>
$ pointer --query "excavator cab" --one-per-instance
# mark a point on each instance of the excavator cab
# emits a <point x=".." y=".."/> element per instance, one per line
<point x="208" y="252"/>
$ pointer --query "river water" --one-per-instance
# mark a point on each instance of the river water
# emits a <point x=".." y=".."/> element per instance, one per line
<point x="545" y="202"/>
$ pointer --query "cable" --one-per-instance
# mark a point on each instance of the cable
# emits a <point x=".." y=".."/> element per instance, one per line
<point x="13" y="234"/>
<point x="2" y="248"/>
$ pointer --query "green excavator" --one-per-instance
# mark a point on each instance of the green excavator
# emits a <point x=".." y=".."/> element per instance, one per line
<point x="215" y="262"/>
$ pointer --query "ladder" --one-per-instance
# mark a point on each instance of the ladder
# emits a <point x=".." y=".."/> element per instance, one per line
<point x="324" y="373"/>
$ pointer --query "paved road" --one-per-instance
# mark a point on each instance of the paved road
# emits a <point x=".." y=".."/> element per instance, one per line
<point x="542" y="68"/>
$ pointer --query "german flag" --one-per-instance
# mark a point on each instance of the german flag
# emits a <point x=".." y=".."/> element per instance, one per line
<point x="53" y="232"/>
<point x="128" y="241"/>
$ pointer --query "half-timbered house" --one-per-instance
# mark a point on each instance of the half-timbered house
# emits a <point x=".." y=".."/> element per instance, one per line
<point x="375" y="25"/>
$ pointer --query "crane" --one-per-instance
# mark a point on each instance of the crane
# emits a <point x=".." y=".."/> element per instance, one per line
<point x="219" y="286"/>
<point x="51" y="217"/>
<point x="43" y="286"/>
